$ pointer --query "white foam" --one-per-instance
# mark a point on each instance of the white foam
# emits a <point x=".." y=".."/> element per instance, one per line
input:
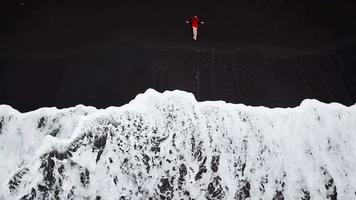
<point x="301" y="148"/>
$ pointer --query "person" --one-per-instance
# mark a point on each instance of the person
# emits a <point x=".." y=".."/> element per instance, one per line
<point x="195" y="21"/>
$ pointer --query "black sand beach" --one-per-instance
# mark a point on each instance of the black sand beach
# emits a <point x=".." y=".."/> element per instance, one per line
<point x="265" y="52"/>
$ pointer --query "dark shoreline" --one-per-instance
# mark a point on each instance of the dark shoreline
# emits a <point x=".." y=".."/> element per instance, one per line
<point x="103" y="54"/>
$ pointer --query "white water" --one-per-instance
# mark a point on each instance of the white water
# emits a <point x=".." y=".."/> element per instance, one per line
<point x="157" y="144"/>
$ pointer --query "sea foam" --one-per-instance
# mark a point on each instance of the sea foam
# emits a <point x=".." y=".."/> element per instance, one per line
<point x="169" y="146"/>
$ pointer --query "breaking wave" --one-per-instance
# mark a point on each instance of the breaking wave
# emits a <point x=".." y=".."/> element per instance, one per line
<point x="169" y="146"/>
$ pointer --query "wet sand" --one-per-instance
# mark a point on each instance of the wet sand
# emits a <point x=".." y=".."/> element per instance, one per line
<point x="269" y="53"/>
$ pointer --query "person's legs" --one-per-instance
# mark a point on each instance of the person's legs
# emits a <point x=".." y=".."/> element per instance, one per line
<point x="195" y="33"/>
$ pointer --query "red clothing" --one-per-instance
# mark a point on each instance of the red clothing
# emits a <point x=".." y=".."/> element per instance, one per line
<point x="195" y="22"/>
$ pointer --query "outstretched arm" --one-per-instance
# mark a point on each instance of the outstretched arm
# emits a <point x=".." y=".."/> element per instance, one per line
<point x="202" y="22"/>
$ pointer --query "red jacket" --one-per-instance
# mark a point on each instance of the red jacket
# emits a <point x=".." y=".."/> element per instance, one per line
<point x="195" y="22"/>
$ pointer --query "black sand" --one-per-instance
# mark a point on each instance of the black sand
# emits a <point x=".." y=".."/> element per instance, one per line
<point x="266" y="52"/>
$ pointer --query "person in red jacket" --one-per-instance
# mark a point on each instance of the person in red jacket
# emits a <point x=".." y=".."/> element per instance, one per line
<point x="195" y="21"/>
